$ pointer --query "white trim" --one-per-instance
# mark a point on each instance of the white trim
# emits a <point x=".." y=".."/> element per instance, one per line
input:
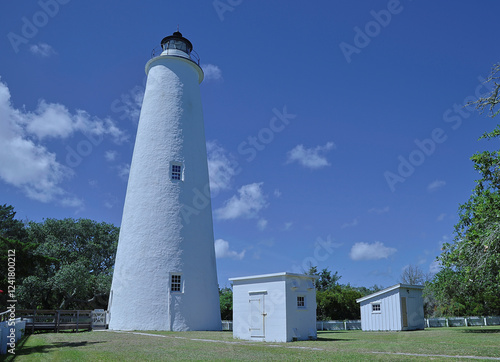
<point x="257" y="292"/>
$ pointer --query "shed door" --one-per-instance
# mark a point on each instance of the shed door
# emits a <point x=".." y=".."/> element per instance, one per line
<point x="257" y="314"/>
<point x="404" y="312"/>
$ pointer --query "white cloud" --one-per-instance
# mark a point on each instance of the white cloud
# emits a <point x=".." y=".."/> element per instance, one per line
<point x="42" y="49"/>
<point x="25" y="164"/>
<point x="288" y="225"/>
<point x="350" y="224"/>
<point x="222" y="250"/>
<point x="249" y="201"/>
<point x="221" y="168"/>
<point x="262" y="224"/>
<point x="29" y="165"/>
<point x="52" y="120"/>
<point x="327" y="245"/>
<point x="277" y="193"/>
<point x="379" y="211"/>
<point x="212" y="72"/>
<point x="366" y="251"/>
<point x="124" y="171"/>
<point x="435" y="267"/>
<point x="110" y="155"/>
<point x="441" y="217"/>
<point x="313" y="158"/>
<point x="435" y="185"/>
<point x="129" y="104"/>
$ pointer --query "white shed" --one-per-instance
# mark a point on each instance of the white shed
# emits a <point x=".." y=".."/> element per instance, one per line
<point x="397" y="308"/>
<point x="278" y="307"/>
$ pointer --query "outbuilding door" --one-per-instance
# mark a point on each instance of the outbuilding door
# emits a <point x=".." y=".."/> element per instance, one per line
<point x="257" y="314"/>
<point x="404" y="312"/>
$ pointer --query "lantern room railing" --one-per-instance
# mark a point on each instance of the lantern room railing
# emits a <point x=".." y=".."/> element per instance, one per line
<point x="193" y="56"/>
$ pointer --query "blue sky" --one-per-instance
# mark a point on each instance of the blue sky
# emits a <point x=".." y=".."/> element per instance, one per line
<point x="336" y="129"/>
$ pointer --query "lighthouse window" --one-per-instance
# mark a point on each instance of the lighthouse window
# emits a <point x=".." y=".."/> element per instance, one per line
<point x="176" y="171"/>
<point x="175" y="285"/>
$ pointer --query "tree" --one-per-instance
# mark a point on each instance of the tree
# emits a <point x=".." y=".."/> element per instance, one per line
<point x="226" y="303"/>
<point x="11" y="228"/>
<point x="469" y="281"/>
<point x="75" y="263"/>
<point x="326" y="279"/>
<point x="13" y="237"/>
<point x="333" y="300"/>
<point x="413" y="275"/>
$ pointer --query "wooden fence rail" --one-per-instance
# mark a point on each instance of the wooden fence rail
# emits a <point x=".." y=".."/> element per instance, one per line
<point x="55" y="320"/>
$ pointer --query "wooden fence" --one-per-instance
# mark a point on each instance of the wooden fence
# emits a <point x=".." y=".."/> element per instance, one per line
<point x="55" y="320"/>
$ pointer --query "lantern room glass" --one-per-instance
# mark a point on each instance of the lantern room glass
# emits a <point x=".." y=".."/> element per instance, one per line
<point x="176" y="44"/>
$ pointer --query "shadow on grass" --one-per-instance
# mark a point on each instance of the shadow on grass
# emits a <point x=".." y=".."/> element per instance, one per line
<point x="493" y="330"/>
<point x="47" y="348"/>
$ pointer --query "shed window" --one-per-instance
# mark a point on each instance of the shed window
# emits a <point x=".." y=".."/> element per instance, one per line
<point x="175" y="283"/>
<point x="301" y="301"/>
<point x="376" y="308"/>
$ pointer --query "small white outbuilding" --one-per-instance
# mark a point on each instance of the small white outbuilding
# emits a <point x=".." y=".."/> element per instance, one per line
<point x="278" y="307"/>
<point x="397" y="308"/>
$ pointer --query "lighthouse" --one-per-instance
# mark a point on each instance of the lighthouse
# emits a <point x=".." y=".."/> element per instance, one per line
<point x="165" y="275"/>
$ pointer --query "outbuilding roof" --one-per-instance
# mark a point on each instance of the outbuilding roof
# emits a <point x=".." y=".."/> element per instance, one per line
<point x="262" y="276"/>
<point x="383" y="291"/>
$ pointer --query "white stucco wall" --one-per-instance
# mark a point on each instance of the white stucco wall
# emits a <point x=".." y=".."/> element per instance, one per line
<point x="167" y="224"/>
<point x="390" y="317"/>
<point x="300" y="324"/>
<point x="283" y="321"/>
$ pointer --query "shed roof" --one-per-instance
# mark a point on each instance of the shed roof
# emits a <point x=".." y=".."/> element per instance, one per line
<point x="380" y="292"/>
<point x="263" y="276"/>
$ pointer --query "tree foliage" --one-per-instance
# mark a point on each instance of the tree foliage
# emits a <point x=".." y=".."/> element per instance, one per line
<point x="82" y="256"/>
<point x="226" y="303"/>
<point x="60" y="264"/>
<point x="469" y="281"/>
<point x="335" y="301"/>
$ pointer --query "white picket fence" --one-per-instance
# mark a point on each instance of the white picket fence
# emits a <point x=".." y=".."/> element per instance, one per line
<point x="338" y="325"/>
<point x="462" y="321"/>
<point x="429" y="323"/>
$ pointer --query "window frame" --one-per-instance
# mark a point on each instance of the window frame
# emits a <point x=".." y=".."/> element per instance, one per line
<point x="303" y="302"/>
<point x="376" y="307"/>
<point x="178" y="174"/>
<point x="177" y="283"/>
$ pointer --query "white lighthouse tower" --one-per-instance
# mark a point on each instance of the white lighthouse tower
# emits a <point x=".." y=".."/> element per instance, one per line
<point x="165" y="275"/>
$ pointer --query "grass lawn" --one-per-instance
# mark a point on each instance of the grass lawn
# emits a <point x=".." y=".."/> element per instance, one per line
<point x="435" y="344"/>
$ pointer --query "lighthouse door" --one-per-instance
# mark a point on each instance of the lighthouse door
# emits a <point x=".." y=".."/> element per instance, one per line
<point x="257" y="314"/>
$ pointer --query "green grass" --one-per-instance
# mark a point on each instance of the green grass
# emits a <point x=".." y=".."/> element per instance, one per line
<point x="337" y="345"/>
